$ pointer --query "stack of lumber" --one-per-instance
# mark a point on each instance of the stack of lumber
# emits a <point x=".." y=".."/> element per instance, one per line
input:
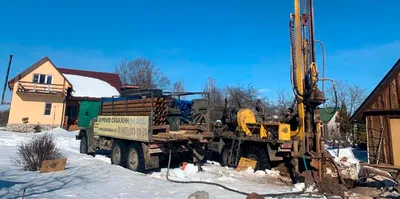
<point x="138" y="107"/>
<point x="165" y="137"/>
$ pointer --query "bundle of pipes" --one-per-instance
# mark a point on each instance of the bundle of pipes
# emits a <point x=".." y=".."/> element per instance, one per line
<point x="185" y="109"/>
<point x="156" y="107"/>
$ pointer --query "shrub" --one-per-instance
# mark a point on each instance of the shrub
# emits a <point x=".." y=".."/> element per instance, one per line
<point x="4" y="117"/>
<point x="30" y="155"/>
<point x="37" y="128"/>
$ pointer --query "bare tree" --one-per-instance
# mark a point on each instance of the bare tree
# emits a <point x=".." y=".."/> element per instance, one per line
<point x="216" y="96"/>
<point x="351" y="95"/>
<point x="143" y="73"/>
<point x="283" y="101"/>
<point x="178" y="86"/>
<point x="241" y="97"/>
<point x="356" y="97"/>
<point x="216" y="99"/>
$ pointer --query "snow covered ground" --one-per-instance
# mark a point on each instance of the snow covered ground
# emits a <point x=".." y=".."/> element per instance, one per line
<point x="94" y="177"/>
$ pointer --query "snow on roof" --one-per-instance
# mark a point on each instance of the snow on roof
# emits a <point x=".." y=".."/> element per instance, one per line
<point x="90" y="87"/>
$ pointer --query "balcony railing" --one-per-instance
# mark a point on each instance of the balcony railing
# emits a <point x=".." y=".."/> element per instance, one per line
<point x="30" y="87"/>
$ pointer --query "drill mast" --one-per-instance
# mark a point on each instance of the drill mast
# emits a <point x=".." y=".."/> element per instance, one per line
<point x="304" y="79"/>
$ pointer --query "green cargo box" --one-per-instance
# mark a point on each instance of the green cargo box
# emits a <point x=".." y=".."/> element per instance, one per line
<point x="87" y="111"/>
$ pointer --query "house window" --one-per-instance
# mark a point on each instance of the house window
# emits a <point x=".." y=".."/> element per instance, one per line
<point x="35" y="78"/>
<point x="42" y="79"/>
<point x="47" y="109"/>
<point x="49" y="79"/>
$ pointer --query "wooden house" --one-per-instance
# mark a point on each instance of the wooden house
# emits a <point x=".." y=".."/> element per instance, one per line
<point x="380" y="112"/>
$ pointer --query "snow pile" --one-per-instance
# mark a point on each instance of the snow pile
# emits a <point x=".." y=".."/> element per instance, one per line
<point x="300" y="186"/>
<point x="246" y="181"/>
<point x="90" y="87"/>
<point x="347" y="162"/>
<point x="273" y="173"/>
<point x="345" y="155"/>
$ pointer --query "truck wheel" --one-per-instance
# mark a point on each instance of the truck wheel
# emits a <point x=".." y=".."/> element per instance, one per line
<point x="135" y="158"/>
<point x="118" y="153"/>
<point x="260" y="155"/>
<point x="224" y="161"/>
<point x="83" y="148"/>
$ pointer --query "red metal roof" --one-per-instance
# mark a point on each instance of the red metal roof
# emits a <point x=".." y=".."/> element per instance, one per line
<point x="111" y="78"/>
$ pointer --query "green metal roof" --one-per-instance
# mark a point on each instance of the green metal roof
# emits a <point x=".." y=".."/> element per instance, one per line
<point x="326" y="115"/>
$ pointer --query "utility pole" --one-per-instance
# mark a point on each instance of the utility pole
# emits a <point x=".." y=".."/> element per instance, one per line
<point x="6" y="80"/>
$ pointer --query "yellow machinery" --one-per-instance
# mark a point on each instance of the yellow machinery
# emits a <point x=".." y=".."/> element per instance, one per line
<point x="300" y="139"/>
<point x="304" y="77"/>
<point x="246" y="120"/>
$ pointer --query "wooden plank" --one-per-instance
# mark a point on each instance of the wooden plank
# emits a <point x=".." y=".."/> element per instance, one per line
<point x="385" y="140"/>
<point x="379" y="102"/>
<point x="374" y="106"/>
<point x="370" y="142"/>
<point x="133" y="112"/>
<point x="189" y="127"/>
<point x="131" y="105"/>
<point x="53" y="165"/>
<point x="375" y="125"/>
<point x="398" y="87"/>
<point x="157" y="116"/>
<point x="379" y="149"/>
<point x="26" y="82"/>
<point x="199" y="136"/>
<point x="386" y="98"/>
<point x="138" y="101"/>
<point x="394" y="100"/>
<point x="383" y="166"/>
<point x="245" y="163"/>
<point x="144" y="109"/>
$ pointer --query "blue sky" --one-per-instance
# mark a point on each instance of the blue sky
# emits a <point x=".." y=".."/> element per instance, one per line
<point x="236" y="42"/>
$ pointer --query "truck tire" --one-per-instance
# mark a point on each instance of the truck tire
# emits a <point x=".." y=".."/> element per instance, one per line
<point x="224" y="157"/>
<point x="83" y="148"/>
<point x="260" y="155"/>
<point x="135" y="158"/>
<point x="118" y="153"/>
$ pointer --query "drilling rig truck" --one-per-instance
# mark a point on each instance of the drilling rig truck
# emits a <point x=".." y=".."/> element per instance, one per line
<point x="140" y="130"/>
